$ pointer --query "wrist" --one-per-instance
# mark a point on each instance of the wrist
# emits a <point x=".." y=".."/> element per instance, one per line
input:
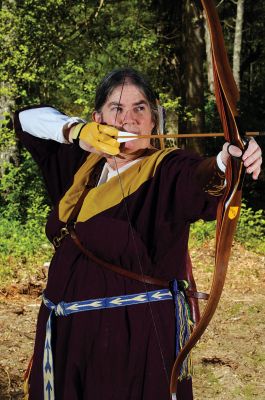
<point x="220" y="162"/>
<point x="74" y="133"/>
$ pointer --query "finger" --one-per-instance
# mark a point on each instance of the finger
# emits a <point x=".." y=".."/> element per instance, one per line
<point x="102" y="138"/>
<point x="256" y="173"/>
<point x="97" y="137"/>
<point x="253" y="157"/>
<point x="252" y="147"/>
<point x="255" y="168"/>
<point x="233" y="150"/>
<point x="108" y="130"/>
<point x="107" y="145"/>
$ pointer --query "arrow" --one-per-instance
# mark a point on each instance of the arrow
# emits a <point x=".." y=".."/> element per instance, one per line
<point x="160" y="295"/>
<point x="73" y="307"/>
<point x="120" y="301"/>
<point x="47" y="345"/>
<point x="128" y="136"/>
<point x="47" y="357"/>
<point x="76" y="306"/>
<point x="94" y="304"/>
<point x="49" y="390"/>
<point x="48" y="368"/>
<point x="59" y="310"/>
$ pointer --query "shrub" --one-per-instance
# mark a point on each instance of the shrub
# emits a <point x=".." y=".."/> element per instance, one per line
<point x="250" y="230"/>
<point x="23" y="248"/>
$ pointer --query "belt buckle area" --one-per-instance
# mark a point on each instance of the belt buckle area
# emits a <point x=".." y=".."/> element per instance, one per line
<point x="57" y="239"/>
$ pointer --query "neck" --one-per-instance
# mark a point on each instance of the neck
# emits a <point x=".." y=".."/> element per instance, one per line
<point x="122" y="159"/>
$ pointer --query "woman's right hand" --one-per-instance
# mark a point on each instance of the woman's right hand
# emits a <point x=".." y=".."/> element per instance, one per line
<point x="96" y="138"/>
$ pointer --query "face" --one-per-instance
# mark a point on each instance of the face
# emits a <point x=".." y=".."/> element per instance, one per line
<point x="128" y="109"/>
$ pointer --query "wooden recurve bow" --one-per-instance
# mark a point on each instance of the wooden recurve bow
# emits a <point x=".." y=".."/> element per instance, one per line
<point x="227" y="97"/>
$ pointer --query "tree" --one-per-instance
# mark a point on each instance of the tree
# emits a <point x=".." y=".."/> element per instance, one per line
<point x="192" y="70"/>
<point x="238" y="41"/>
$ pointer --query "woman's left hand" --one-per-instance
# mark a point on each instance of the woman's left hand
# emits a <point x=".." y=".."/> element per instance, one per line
<point x="252" y="157"/>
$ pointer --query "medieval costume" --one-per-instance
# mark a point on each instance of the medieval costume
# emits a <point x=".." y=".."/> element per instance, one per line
<point x="139" y="220"/>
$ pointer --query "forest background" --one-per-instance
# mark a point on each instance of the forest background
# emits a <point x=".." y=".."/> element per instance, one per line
<point x="56" y="52"/>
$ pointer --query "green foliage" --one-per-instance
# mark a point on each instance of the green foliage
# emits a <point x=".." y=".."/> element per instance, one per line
<point x="7" y="138"/>
<point x="201" y="231"/>
<point x="23" y="211"/>
<point x="57" y="51"/>
<point x="250" y="230"/>
<point x="174" y="109"/>
<point x="22" y="195"/>
<point x="23" y="248"/>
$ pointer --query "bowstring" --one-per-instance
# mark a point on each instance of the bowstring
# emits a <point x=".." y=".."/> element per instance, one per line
<point x="126" y="209"/>
<point x="141" y="269"/>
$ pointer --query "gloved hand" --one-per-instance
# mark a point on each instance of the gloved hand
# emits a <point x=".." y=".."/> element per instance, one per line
<point x="96" y="136"/>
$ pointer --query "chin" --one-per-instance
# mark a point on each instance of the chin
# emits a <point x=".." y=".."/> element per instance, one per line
<point x="133" y="150"/>
<point x="135" y="145"/>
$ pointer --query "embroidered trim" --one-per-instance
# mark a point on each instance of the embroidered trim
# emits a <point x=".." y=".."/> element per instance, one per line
<point x="216" y="184"/>
<point x="65" y="309"/>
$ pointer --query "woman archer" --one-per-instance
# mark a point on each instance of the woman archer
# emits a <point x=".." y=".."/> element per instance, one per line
<point x="114" y="310"/>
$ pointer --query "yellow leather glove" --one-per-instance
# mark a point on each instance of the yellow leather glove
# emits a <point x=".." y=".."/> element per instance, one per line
<point x="100" y="137"/>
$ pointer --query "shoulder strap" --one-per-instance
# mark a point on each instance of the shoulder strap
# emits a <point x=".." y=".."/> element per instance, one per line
<point x="92" y="182"/>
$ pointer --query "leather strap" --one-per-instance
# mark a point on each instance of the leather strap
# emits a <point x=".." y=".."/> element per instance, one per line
<point x="92" y="182"/>
<point x="115" y="268"/>
<point x="129" y="274"/>
<point x="196" y="295"/>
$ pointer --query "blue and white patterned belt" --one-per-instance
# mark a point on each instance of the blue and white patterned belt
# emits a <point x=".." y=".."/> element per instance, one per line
<point x="65" y="309"/>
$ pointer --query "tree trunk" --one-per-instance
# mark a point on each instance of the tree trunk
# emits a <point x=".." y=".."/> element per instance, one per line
<point x="209" y="59"/>
<point x="9" y="152"/>
<point x="238" y="41"/>
<point x="192" y="76"/>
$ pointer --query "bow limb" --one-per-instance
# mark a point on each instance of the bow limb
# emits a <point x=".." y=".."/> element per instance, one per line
<point x="227" y="96"/>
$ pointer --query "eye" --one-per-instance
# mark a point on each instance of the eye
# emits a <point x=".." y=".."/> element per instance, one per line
<point x="140" y="108"/>
<point x="116" y="109"/>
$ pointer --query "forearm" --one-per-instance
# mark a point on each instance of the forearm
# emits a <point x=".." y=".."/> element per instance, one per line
<point x="46" y="123"/>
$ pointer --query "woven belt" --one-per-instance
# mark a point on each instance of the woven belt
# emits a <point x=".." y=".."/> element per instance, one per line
<point x="64" y="309"/>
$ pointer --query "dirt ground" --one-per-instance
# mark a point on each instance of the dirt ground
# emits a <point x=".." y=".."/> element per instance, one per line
<point x="229" y="361"/>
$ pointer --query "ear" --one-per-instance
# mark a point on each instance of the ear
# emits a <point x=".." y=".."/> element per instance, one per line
<point x="97" y="117"/>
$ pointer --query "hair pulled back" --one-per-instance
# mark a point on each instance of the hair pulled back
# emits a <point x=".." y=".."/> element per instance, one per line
<point x="118" y="77"/>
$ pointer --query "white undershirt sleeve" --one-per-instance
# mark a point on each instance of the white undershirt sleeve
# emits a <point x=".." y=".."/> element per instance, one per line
<point x="220" y="163"/>
<point x="46" y="123"/>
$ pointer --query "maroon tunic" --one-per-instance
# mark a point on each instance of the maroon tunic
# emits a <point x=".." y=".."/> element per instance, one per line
<point x="124" y="353"/>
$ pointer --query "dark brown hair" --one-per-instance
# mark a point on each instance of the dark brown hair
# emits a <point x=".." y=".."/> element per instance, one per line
<point x="116" y="78"/>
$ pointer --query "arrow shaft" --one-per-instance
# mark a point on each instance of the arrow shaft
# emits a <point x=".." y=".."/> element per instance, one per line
<point x="187" y="135"/>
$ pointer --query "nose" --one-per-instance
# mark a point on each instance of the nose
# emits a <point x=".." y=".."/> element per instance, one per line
<point x="129" y="118"/>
